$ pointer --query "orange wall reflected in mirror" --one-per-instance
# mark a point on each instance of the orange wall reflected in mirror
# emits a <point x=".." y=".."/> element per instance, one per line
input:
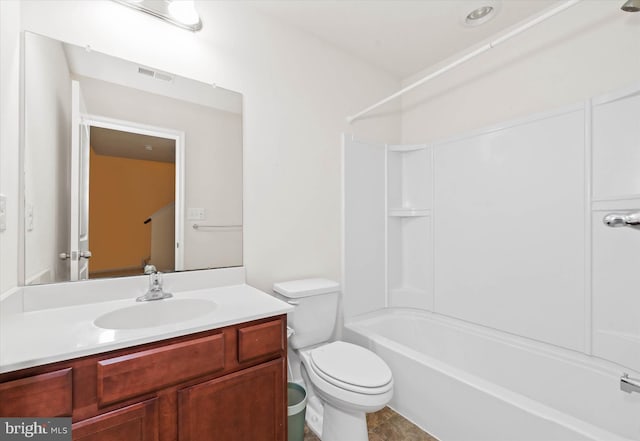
<point x="123" y="193"/>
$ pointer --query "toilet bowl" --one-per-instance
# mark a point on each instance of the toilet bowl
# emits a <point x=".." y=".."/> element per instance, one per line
<point x="344" y="381"/>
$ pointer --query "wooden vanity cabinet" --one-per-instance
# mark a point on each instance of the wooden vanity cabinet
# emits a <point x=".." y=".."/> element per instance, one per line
<point x="226" y="384"/>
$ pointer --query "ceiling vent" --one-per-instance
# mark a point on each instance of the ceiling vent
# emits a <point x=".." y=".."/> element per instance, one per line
<point x="147" y="72"/>
<point x="162" y="76"/>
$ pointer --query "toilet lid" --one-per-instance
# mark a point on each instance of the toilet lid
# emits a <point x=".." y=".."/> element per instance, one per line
<point x="350" y="364"/>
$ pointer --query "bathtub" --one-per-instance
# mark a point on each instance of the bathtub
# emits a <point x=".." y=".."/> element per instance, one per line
<point x="464" y="382"/>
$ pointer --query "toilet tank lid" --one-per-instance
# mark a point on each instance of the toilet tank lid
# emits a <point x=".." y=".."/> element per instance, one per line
<point x="305" y="287"/>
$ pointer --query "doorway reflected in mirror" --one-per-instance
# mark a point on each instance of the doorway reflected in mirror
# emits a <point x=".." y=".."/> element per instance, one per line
<point x="140" y="203"/>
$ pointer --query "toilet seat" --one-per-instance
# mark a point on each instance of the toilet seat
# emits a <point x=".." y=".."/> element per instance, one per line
<point x="352" y="368"/>
<point x="337" y="392"/>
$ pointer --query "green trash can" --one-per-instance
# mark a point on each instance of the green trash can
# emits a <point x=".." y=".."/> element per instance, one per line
<point x="297" y="406"/>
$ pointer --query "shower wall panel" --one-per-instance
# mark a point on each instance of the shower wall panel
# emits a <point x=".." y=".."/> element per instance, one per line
<point x="503" y="227"/>
<point x="364" y="208"/>
<point x="616" y="256"/>
<point x="509" y="224"/>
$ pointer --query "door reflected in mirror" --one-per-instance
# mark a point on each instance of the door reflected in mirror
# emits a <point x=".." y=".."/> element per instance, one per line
<point x="140" y="203"/>
<point x="125" y="166"/>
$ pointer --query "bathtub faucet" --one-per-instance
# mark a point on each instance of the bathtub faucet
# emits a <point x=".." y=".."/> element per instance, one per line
<point x="628" y="384"/>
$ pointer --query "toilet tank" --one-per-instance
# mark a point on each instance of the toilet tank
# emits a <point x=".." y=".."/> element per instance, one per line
<point x="316" y="309"/>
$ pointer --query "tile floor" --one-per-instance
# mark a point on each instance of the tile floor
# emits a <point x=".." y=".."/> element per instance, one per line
<point x="386" y="425"/>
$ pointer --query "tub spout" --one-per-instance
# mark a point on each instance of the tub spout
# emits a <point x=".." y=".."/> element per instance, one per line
<point x="628" y="384"/>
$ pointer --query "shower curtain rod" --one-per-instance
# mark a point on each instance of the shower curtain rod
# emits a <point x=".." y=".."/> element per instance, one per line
<point x="507" y="36"/>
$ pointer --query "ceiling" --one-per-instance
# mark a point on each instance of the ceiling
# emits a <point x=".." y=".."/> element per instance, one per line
<point x="92" y="64"/>
<point x="402" y="37"/>
<point x="110" y="142"/>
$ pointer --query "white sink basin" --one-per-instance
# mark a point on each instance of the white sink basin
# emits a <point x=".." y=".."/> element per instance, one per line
<point x="155" y="313"/>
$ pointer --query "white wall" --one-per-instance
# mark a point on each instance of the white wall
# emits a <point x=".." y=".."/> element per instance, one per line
<point x="47" y="159"/>
<point x="297" y="93"/>
<point x="9" y="133"/>
<point x="589" y="49"/>
<point x="213" y="162"/>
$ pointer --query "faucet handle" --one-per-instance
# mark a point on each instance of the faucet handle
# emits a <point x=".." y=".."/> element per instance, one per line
<point x="150" y="269"/>
<point x="628" y="384"/>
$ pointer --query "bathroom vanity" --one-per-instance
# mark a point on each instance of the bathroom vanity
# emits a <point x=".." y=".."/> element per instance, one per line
<point x="222" y="384"/>
<point x="221" y="376"/>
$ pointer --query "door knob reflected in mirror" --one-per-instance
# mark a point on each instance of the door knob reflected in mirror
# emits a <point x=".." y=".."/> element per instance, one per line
<point x="75" y="255"/>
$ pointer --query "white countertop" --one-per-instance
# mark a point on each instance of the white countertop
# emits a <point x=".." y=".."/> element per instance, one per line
<point x="45" y="336"/>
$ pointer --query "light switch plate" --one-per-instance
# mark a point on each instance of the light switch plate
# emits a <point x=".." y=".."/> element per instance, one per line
<point x="195" y="213"/>
<point x="3" y="212"/>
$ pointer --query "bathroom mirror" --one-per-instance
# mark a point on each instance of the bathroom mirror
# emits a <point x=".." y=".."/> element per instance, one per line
<point x="125" y="166"/>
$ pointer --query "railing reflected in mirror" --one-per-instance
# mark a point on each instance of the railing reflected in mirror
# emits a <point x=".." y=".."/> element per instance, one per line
<point x="121" y="163"/>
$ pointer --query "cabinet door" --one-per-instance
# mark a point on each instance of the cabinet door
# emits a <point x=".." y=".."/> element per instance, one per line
<point x="248" y="405"/>
<point x="44" y="395"/>
<point x="138" y="422"/>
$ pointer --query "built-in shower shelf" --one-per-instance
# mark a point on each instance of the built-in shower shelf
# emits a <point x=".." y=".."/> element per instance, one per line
<point x="407" y="291"/>
<point x="406" y="148"/>
<point x="410" y="297"/>
<point x="409" y="212"/>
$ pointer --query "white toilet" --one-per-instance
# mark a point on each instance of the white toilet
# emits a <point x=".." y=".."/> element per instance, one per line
<point x="343" y="381"/>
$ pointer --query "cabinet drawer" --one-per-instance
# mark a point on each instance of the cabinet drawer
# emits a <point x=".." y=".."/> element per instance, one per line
<point x="143" y="372"/>
<point x="45" y="395"/>
<point x="260" y="340"/>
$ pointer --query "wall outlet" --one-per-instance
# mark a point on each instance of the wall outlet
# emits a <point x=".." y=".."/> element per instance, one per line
<point x="195" y="214"/>
<point x="3" y="213"/>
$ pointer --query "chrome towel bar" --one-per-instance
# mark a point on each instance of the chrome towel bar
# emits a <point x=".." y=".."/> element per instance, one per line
<point x="198" y="226"/>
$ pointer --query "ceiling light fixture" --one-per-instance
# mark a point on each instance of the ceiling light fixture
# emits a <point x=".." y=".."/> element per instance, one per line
<point x="480" y="15"/>
<point x="181" y="13"/>
<point x="631" y="6"/>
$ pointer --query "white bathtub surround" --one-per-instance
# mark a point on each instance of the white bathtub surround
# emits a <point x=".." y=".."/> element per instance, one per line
<point x="56" y="322"/>
<point x="466" y="226"/>
<point x="616" y="189"/>
<point x="496" y="227"/>
<point x="461" y="381"/>
<point x="502" y="228"/>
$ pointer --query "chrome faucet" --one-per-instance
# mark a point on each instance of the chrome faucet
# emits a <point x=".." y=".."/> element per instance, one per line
<point x="155" y="291"/>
